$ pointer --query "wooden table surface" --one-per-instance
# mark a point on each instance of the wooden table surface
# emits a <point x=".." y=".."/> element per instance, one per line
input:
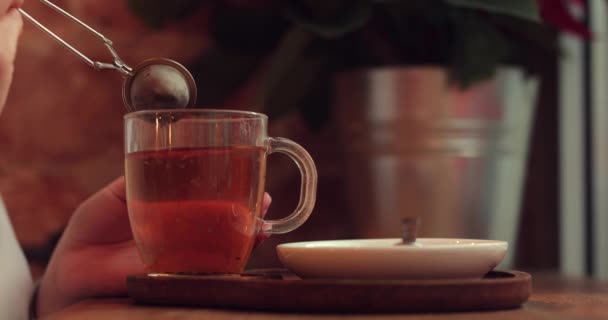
<point x="553" y="298"/>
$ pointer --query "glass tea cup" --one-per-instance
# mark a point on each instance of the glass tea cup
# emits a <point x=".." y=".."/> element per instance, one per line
<point x="195" y="183"/>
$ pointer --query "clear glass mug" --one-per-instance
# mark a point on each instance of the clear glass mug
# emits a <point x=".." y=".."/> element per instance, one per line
<point x="195" y="183"/>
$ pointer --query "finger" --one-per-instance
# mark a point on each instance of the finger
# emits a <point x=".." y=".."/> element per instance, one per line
<point x="16" y="3"/>
<point x="5" y="6"/>
<point x="266" y="203"/>
<point x="10" y="29"/>
<point x="101" y="219"/>
<point x="263" y="235"/>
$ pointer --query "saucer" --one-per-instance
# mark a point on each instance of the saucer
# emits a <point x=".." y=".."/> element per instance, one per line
<point x="428" y="258"/>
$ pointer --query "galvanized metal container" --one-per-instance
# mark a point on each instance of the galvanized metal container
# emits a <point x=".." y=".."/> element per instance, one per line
<point x="416" y="146"/>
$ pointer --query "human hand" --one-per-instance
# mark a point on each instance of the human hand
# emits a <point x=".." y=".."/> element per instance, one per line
<point x="10" y="29"/>
<point x="95" y="253"/>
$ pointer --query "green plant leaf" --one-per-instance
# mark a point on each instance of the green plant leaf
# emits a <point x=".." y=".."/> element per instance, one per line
<point x="295" y="78"/>
<point x="525" y="37"/>
<point x="329" y="19"/>
<point x="220" y="73"/>
<point x="481" y="49"/>
<point x="316" y="106"/>
<point x="419" y="32"/>
<point x="157" y="13"/>
<point x="287" y="55"/>
<point x="298" y="89"/>
<point x="247" y="29"/>
<point x="523" y="9"/>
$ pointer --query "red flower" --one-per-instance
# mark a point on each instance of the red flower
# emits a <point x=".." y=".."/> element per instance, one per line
<point x="561" y="13"/>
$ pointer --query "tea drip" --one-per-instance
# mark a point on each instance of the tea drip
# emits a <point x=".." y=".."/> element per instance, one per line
<point x="153" y="84"/>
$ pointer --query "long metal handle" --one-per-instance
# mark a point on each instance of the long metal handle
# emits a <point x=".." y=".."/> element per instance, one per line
<point x="58" y="39"/>
<point x="71" y="17"/>
<point x="117" y="65"/>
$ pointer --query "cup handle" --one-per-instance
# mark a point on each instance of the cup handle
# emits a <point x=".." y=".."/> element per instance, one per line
<point x="308" y="187"/>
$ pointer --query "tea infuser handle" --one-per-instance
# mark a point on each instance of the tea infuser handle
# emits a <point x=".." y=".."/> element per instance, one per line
<point x="308" y="187"/>
<point x="117" y="65"/>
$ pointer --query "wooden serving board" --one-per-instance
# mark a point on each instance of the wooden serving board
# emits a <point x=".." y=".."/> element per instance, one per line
<point x="279" y="290"/>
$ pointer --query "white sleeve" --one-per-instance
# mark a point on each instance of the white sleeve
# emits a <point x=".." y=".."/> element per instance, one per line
<point x="15" y="278"/>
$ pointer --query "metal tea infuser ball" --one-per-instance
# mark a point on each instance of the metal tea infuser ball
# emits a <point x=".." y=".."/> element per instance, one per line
<point x="153" y="84"/>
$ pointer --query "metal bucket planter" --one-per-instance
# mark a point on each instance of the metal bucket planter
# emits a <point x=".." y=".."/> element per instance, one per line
<point x="417" y="147"/>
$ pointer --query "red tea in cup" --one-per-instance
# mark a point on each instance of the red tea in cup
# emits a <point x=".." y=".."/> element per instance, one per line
<point x="195" y="184"/>
<point x="195" y="209"/>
